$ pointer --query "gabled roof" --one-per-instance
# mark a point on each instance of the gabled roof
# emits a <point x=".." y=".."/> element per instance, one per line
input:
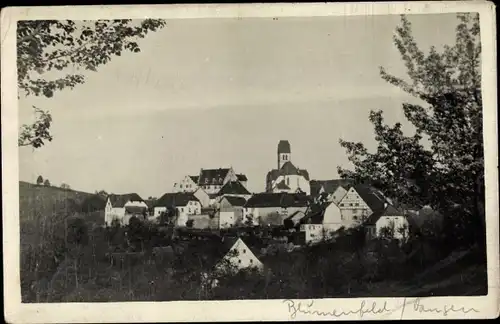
<point x="135" y="209"/>
<point x="282" y="186"/>
<point x="371" y="196"/>
<point x="177" y="199"/>
<point x="195" y="179"/>
<point x="212" y="176"/>
<point x="118" y="201"/>
<point x="388" y="211"/>
<point x="281" y="199"/>
<point x="284" y="147"/>
<point x="297" y="215"/>
<point x="329" y="186"/>
<point x="234" y="188"/>
<point x="242" y="177"/>
<point x="236" y="201"/>
<point x="313" y="218"/>
<point x="287" y="169"/>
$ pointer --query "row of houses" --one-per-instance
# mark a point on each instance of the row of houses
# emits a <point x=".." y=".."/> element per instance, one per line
<point x="219" y="198"/>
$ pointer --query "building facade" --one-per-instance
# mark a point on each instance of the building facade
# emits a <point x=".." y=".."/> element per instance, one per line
<point x="287" y="177"/>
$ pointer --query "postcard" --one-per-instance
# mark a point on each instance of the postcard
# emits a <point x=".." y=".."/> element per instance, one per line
<point x="250" y="162"/>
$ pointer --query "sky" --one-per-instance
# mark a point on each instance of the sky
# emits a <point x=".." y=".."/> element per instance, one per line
<point x="210" y="93"/>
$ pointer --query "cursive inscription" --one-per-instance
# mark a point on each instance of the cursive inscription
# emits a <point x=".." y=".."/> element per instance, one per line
<point x="414" y="305"/>
<point x="307" y="308"/>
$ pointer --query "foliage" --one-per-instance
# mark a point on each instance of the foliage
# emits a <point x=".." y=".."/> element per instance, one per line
<point x="46" y="183"/>
<point x="39" y="180"/>
<point x="190" y="223"/>
<point x="65" y="186"/>
<point x="448" y="175"/>
<point x="45" y="46"/>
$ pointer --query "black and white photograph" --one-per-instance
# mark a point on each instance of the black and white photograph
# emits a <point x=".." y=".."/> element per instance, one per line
<point x="252" y="157"/>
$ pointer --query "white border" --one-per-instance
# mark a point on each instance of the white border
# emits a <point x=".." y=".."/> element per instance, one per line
<point x="249" y="310"/>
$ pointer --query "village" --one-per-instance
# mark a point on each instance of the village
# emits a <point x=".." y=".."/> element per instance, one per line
<point x="294" y="211"/>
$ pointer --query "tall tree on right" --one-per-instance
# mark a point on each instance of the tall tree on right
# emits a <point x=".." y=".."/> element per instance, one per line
<point x="447" y="174"/>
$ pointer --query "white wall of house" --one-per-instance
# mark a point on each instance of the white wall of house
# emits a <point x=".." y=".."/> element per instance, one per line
<point x="313" y="232"/>
<point x="397" y="221"/>
<point x="337" y="195"/>
<point x="265" y="212"/>
<point x="226" y="219"/>
<point x="353" y="208"/>
<point x="203" y="197"/>
<point x="294" y="182"/>
<point x="111" y="213"/>
<point x="158" y="210"/>
<point x="243" y="258"/>
<point x="332" y="219"/>
<point x="186" y="184"/>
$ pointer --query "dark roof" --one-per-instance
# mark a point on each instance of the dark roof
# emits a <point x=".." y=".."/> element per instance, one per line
<point x="287" y="169"/>
<point x="371" y="196"/>
<point x="236" y="201"/>
<point x="282" y="185"/>
<point x="329" y="185"/>
<point x="195" y="179"/>
<point x="175" y="199"/>
<point x="135" y="209"/>
<point x="212" y="176"/>
<point x="313" y="218"/>
<point x="295" y="214"/>
<point x="234" y="188"/>
<point x="388" y="211"/>
<point x="209" y="253"/>
<point x="281" y="199"/>
<point x="284" y="147"/>
<point x="242" y="177"/>
<point x="121" y="200"/>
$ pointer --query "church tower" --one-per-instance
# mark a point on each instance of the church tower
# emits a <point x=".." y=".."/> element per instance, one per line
<point x="284" y="153"/>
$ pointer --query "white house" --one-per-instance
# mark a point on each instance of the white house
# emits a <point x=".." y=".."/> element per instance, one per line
<point x="390" y="218"/>
<point x="122" y="207"/>
<point x="234" y="256"/>
<point x="186" y="184"/>
<point x="182" y="204"/>
<point x="287" y="177"/>
<point x="359" y="203"/>
<point x="273" y="208"/>
<point x="323" y="224"/>
<point x="231" y="211"/>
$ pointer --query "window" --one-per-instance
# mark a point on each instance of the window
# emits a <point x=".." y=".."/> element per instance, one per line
<point x="244" y="251"/>
<point x="341" y="205"/>
<point x="251" y="260"/>
<point x="350" y="205"/>
<point x="287" y="181"/>
<point x="356" y="204"/>
<point x="181" y="209"/>
<point x="355" y="217"/>
<point x="180" y="186"/>
<point x="239" y="261"/>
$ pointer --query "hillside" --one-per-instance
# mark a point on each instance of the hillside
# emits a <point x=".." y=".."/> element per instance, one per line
<point x="41" y="200"/>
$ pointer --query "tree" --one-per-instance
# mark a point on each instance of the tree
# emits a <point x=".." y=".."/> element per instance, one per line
<point x="448" y="174"/>
<point x="46" y="183"/>
<point x="45" y="46"/>
<point x="39" y="180"/>
<point x="190" y="223"/>
<point x="65" y="186"/>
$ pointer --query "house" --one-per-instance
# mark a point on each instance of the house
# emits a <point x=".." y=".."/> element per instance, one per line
<point x="231" y="256"/>
<point x="204" y="198"/>
<point x="182" y="204"/>
<point x="334" y="189"/>
<point x="235" y="189"/>
<point x="294" y="219"/>
<point x="272" y="208"/>
<point x="287" y="177"/>
<point x="358" y="203"/>
<point x="321" y="224"/>
<point x="122" y="207"/>
<point x="231" y="211"/>
<point x="186" y="184"/>
<point x="212" y="180"/>
<point x="387" y="221"/>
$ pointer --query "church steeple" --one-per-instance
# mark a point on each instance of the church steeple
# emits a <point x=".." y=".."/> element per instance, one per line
<point x="284" y="153"/>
